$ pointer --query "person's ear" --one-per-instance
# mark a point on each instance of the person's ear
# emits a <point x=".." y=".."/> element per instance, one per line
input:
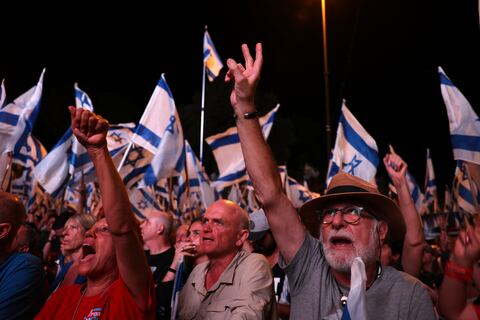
<point x="242" y="237"/>
<point x="4" y="229"/>
<point x="382" y="231"/>
<point x="161" y="229"/>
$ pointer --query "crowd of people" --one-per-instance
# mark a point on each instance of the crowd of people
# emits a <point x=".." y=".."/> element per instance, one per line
<point x="352" y="253"/>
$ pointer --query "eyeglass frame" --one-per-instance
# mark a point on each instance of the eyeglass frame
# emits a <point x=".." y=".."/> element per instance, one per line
<point x="332" y="212"/>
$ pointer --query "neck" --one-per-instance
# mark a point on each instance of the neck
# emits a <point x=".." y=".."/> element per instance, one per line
<point x="157" y="246"/>
<point x="216" y="267"/>
<point x="200" y="259"/>
<point x="343" y="278"/>
<point x="99" y="285"/>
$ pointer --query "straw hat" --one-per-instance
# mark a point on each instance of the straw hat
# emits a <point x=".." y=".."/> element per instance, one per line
<point x="345" y="187"/>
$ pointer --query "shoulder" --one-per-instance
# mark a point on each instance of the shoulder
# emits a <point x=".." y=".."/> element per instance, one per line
<point x="20" y="262"/>
<point x="403" y="282"/>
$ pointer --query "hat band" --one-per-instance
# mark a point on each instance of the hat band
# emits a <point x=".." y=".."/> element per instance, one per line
<point x="345" y="189"/>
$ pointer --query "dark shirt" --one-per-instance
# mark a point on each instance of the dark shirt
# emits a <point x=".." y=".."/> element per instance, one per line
<point x="159" y="264"/>
<point x="22" y="290"/>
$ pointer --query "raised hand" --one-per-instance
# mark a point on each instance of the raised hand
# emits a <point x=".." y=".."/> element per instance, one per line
<point x="396" y="167"/>
<point x="467" y="247"/>
<point x="245" y="77"/>
<point x="90" y="129"/>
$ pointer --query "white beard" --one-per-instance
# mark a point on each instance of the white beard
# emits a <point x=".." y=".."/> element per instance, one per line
<point x="342" y="261"/>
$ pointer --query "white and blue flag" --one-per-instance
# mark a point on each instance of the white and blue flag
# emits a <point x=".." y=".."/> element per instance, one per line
<point x="464" y="122"/>
<point x="228" y="152"/>
<point x="79" y="159"/>
<point x="431" y="199"/>
<point x="193" y="183"/>
<point x="160" y="132"/>
<point x="18" y="117"/>
<point x="211" y="60"/>
<point x="463" y="193"/>
<point x="355" y="151"/>
<point x="3" y="94"/>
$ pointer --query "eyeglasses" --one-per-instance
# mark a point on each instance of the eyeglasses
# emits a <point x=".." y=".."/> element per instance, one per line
<point x="350" y="215"/>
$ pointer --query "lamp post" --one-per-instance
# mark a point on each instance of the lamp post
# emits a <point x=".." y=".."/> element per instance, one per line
<point x="328" y="130"/>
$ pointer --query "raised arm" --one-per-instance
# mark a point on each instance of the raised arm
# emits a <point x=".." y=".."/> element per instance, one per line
<point x="91" y="131"/>
<point x="414" y="239"/>
<point x="452" y="300"/>
<point x="284" y="221"/>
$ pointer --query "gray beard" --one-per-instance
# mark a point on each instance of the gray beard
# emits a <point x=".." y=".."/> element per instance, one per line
<point x="343" y="262"/>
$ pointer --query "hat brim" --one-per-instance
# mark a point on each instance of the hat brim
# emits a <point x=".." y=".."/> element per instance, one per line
<point x="381" y="206"/>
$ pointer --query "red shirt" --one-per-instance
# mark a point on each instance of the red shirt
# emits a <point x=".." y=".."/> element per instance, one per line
<point x="115" y="303"/>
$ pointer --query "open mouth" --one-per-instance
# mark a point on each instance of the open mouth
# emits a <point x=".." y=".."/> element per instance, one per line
<point x="87" y="250"/>
<point x="207" y="239"/>
<point x="340" y="241"/>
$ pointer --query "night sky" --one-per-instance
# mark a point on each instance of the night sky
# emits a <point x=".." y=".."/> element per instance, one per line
<point x="383" y="58"/>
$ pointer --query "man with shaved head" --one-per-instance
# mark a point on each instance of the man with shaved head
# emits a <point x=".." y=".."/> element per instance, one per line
<point x="233" y="283"/>
<point x="156" y="229"/>
<point x="21" y="274"/>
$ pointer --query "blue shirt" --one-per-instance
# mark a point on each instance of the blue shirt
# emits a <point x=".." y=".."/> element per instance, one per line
<point x="22" y="286"/>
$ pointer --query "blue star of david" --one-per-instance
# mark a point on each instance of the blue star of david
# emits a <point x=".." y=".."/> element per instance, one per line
<point x="117" y="137"/>
<point x="352" y="164"/>
<point x="135" y="154"/>
<point x="170" y="125"/>
<point x="142" y="205"/>
<point x="303" y="197"/>
<point x="85" y="101"/>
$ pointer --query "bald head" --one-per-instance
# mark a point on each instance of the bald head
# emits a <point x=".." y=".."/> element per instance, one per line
<point x="12" y="214"/>
<point x="239" y="215"/>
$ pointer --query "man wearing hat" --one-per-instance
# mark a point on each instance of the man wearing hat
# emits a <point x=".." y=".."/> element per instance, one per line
<point x="351" y="220"/>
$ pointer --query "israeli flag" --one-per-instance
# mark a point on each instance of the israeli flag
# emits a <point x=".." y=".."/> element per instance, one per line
<point x="142" y="201"/>
<point x="449" y="205"/>
<point x="298" y="193"/>
<point x="431" y="202"/>
<point x="211" y="60"/>
<point x="79" y="157"/>
<point x="228" y="152"/>
<point x="52" y="171"/>
<point x="17" y="118"/>
<point x="464" y="122"/>
<point x="195" y="179"/>
<point x="355" y="151"/>
<point x="30" y="154"/>
<point x="160" y="132"/>
<point x="417" y="195"/>
<point x="462" y="189"/>
<point x="3" y="94"/>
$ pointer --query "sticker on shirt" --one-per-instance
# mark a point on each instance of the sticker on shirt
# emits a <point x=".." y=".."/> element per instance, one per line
<point x="94" y="314"/>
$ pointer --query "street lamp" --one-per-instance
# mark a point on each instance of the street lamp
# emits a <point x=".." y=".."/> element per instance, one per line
<point x="328" y="130"/>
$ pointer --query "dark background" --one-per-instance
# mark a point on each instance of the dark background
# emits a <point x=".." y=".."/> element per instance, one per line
<point x="383" y="58"/>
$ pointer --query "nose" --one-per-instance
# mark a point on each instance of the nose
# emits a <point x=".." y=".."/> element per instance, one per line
<point x="206" y="228"/>
<point x="90" y="233"/>
<point x="338" y="221"/>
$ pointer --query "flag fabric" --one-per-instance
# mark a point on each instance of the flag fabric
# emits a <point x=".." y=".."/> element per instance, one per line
<point x="235" y="195"/>
<point x="142" y="201"/>
<point x="463" y="121"/>
<point x="25" y="161"/>
<point x="449" y="205"/>
<point x="195" y="180"/>
<point x="356" y="303"/>
<point x="431" y="199"/>
<point x="18" y="117"/>
<point x="228" y="152"/>
<point x="417" y="194"/>
<point x="52" y="171"/>
<point x="298" y="193"/>
<point x="462" y="190"/>
<point x="355" y="151"/>
<point x="211" y="60"/>
<point x="3" y="94"/>
<point x="160" y="132"/>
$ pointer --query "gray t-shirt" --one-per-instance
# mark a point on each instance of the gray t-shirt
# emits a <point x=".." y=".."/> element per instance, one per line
<point x="315" y="294"/>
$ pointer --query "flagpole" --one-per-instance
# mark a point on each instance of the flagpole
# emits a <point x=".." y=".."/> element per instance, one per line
<point x="328" y="130"/>
<point x="202" y="112"/>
